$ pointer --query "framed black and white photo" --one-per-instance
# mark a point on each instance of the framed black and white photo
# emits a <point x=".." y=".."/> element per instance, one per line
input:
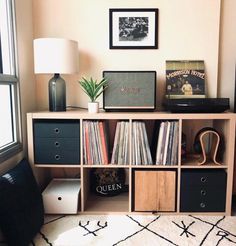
<point x="133" y="28"/>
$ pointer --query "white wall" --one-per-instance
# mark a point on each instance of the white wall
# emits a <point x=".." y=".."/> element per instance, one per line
<point x="188" y="29"/>
<point x="26" y="76"/>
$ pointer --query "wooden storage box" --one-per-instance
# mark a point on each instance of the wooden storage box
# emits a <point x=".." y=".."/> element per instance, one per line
<point x="61" y="196"/>
<point x="154" y="190"/>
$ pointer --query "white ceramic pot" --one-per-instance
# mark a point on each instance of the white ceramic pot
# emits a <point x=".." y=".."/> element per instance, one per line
<point x="93" y="107"/>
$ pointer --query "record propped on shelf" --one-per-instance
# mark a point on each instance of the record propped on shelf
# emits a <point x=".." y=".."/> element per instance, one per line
<point x="185" y="79"/>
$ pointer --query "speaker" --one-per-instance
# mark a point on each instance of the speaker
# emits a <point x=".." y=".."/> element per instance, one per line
<point x="130" y="91"/>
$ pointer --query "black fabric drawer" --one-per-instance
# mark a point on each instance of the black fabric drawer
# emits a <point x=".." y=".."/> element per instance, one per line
<point x="203" y="198"/>
<point x="55" y="157"/>
<point x="56" y="128"/>
<point x="57" y="144"/>
<point x="57" y="150"/>
<point x="203" y="190"/>
<point x="202" y="177"/>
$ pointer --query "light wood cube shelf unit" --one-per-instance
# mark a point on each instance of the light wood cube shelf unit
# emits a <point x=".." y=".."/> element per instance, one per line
<point x="178" y="185"/>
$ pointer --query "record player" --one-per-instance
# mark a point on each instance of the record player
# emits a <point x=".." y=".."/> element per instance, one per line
<point x="197" y="105"/>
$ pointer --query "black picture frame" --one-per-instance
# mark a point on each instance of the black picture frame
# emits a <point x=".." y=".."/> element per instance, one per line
<point x="133" y="28"/>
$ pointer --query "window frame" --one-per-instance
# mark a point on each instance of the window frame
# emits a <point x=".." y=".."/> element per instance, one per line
<point x="1" y="68"/>
<point x="12" y="80"/>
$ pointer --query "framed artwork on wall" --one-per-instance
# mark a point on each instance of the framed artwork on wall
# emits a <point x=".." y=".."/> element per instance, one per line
<point x="133" y="28"/>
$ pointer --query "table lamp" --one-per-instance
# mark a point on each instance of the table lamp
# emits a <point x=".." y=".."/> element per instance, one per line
<point x="56" y="56"/>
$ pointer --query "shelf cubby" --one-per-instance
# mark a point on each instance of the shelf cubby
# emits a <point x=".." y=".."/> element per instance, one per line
<point x="115" y="132"/>
<point x="158" y="141"/>
<point x="190" y="145"/>
<point x="94" y="202"/>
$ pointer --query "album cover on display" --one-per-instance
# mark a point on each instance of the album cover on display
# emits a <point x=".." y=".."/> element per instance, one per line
<point x="185" y="79"/>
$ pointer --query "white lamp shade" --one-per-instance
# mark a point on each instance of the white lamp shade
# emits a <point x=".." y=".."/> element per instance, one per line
<point x="55" y="55"/>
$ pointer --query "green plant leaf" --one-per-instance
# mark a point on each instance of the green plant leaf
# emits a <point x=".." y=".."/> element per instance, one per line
<point x="100" y="93"/>
<point x="92" y="87"/>
<point x="88" y="87"/>
<point x="101" y="85"/>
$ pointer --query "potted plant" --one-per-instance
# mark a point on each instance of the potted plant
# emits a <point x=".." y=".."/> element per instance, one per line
<point x="93" y="89"/>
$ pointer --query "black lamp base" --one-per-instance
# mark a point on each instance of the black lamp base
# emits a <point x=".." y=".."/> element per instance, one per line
<point x="57" y="93"/>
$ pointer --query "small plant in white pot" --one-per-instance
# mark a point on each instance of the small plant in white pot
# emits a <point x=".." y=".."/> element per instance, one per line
<point x="93" y="89"/>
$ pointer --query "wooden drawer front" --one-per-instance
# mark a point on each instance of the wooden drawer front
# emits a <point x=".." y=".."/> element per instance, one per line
<point x="166" y="186"/>
<point x="145" y="191"/>
<point x="154" y="190"/>
<point x="203" y="199"/>
<point x="203" y="190"/>
<point x="56" y="128"/>
<point x="57" y="150"/>
<point x="203" y="177"/>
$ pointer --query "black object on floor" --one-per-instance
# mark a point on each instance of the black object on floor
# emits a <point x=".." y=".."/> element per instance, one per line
<point x="234" y="205"/>
<point x="21" y="206"/>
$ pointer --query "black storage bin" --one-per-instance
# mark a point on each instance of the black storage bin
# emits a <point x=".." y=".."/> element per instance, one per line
<point x="57" y="141"/>
<point x="203" y="190"/>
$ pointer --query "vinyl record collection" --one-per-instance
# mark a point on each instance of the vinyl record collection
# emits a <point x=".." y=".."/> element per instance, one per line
<point x="96" y="146"/>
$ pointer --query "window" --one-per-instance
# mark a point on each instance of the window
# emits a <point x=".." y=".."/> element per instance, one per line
<point x="10" y="137"/>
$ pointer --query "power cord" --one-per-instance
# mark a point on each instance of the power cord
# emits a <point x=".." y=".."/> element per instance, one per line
<point x="71" y="106"/>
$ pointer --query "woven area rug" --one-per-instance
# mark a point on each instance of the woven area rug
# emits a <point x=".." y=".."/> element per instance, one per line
<point x="122" y="230"/>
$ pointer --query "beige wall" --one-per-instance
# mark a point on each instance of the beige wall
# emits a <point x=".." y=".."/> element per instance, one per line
<point x="188" y="29"/>
<point x="227" y="50"/>
<point x="25" y="60"/>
